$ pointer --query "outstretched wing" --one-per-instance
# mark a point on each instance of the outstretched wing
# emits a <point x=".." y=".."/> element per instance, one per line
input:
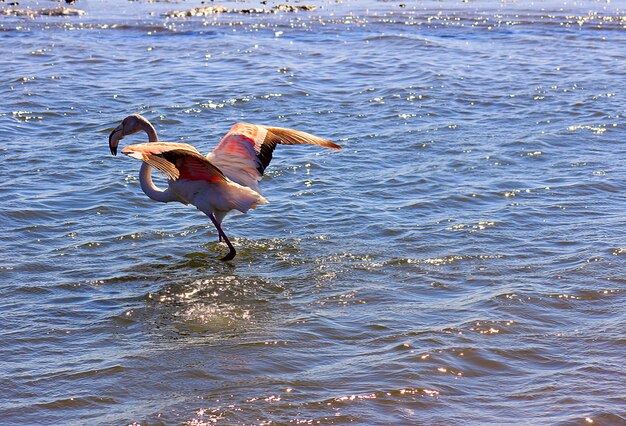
<point x="176" y="161"/>
<point x="246" y="150"/>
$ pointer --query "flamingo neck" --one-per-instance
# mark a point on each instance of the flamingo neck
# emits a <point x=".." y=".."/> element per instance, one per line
<point x="145" y="174"/>
<point x="150" y="189"/>
<point x="150" y="131"/>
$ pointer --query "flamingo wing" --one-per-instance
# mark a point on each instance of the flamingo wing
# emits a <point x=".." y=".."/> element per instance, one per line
<point x="176" y="161"/>
<point x="246" y="150"/>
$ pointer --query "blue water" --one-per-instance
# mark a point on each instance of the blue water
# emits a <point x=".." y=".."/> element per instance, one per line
<point x="460" y="261"/>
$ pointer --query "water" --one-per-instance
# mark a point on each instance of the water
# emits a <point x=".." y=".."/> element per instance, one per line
<point x="460" y="261"/>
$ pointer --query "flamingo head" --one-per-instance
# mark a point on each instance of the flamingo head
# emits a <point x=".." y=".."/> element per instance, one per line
<point x="131" y="124"/>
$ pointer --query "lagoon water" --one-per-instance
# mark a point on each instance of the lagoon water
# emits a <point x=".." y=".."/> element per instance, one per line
<point x="460" y="261"/>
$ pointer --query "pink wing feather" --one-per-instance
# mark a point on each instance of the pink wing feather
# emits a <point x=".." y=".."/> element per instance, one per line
<point x="246" y="150"/>
<point x="176" y="161"/>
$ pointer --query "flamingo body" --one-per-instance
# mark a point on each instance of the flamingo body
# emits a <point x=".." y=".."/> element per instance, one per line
<point x="193" y="179"/>
<point x="226" y="179"/>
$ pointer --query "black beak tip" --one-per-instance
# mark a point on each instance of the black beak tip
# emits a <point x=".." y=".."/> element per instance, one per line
<point x="111" y="147"/>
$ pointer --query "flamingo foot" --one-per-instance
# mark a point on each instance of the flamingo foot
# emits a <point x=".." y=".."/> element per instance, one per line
<point x="230" y="256"/>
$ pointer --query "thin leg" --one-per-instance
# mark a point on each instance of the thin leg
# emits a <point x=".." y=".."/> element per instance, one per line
<point x="219" y="216"/>
<point x="223" y="236"/>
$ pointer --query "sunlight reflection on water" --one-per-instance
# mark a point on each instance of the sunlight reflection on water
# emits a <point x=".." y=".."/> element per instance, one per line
<point x="459" y="261"/>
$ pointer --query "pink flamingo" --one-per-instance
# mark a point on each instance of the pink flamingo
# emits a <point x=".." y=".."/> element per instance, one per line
<point x="226" y="179"/>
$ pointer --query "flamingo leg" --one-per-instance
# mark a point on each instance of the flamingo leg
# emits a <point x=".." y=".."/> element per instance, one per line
<point x="231" y="254"/>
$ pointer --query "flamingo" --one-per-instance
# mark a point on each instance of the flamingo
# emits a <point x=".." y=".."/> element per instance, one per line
<point x="226" y="179"/>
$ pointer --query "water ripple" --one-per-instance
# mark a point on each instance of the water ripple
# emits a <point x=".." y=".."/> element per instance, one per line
<point x="465" y="249"/>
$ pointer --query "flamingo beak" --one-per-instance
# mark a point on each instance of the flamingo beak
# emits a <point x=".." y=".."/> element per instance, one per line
<point x="115" y="137"/>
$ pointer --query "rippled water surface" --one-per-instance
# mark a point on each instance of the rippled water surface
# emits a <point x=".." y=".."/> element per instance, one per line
<point x="460" y="261"/>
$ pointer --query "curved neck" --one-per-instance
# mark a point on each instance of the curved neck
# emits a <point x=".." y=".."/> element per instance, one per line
<point x="147" y="127"/>
<point x="145" y="173"/>
<point x="150" y="189"/>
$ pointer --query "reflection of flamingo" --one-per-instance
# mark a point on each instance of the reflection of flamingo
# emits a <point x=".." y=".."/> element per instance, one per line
<point x="226" y="179"/>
